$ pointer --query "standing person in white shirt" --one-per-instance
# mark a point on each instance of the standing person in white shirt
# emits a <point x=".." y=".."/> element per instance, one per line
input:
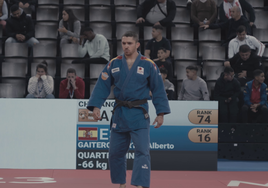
<point x="243" y="38"/>
<point x="95" y="45"/>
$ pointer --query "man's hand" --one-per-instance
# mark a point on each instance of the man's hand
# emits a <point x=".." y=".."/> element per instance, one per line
<point x="205" y="26"/>
<point x="96" y="113"/>
<point x="73" y="83"/>
<point x="140" y="20"/>
<point x="21" y="5"/>
<point x="251" y="23"/>
<point x="201" y="23"/>
<point x="69" y="84"/>
<point x="22" y="38"/>
<point x="26" y="5"/>
<point x="227" y="64"/>
<point x="242" y="74"/>
<point x="19" y="37"/>
<point x="228" y="100"/>
<point x="63" y="30"/>
<point x="159" y="120"/>
<point x="75" y="40"/>
<point x="157" y="23"/>
<point x="155" y="59"/>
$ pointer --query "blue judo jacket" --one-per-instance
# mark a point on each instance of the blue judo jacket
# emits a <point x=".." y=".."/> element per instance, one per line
<point x="130" y="85"/>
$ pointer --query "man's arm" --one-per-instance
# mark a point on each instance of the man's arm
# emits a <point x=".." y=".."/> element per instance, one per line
<point x="9" y="30"/>
<point x="204" y="90"/>
<point x="102" y="44"/>
<point x="231" y="49"/>
<point x="4" y="11"/>
<point x="82" y="48"/>
<point x="247" y="7"/>
<point x="182" y="91"/>
<point x="247" y="94"/>
<point x="214" y="12"/>
<point x="263" y="95"/>
<point x="217" y="92"/>
<point x="64" y="92"/>
<point x="170" y="15"/>
<point x="30" y="32"/>
<point x="194" y="13"/>
<point x="237" y="90"/>
<point x="259" y="45"/>
<point x="80" y="89"/>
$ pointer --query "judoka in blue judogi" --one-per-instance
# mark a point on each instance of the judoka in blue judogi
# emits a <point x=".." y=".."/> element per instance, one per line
<point x="130" y="120"/>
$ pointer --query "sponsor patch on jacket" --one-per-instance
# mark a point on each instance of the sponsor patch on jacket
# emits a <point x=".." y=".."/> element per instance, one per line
<point x="115" y="70"/>
<point x="140" y="70"/>
<point x="104" y="75"/>
<point x="114" y="125"/>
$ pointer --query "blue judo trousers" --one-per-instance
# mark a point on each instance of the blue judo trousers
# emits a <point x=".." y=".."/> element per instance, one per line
<point x="130" y="123"/>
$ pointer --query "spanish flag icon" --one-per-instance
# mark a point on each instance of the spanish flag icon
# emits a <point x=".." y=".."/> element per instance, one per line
<point x="87" y="133"/>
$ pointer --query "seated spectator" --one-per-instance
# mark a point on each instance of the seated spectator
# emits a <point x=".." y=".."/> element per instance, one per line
<point x="232" y="24"/>
<point x="156" y="12"/>
<point x="226" y="6"/>
<point x="94" y="45"/>
<point x="73" y="87"/>
<point x="242" y="38"/>
<point x="157" y="42"/>
<point x="244" y="63"/>
<point x="25" y="4"/>
<point x="169" y="87"/>
<point x="20" y="28"/>
<point x="3" y="13"/>
<point x="193" y="87"/>
<point x="165" y="64"/>
<point x="41" y="85"/>
<point x="69" y="27"/>
<point x="226" y="92"/>
<point x="255" y="97"/>
<point x="203" y="12"/>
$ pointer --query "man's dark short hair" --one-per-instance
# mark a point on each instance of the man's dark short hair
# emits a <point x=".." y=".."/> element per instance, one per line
<point x="158" y="27"/>
<point x="163" y="70"/>
<point x="14" y="8"/>
<point x="86" y="29"/>
<point x="131" y="34"/>
<point x="228" y="70"/>
<point x="164" y="49"/>
<point x="241" y="29"/>
<point x="71" y="70"/>
<point x="244" y="48"/>
<point x="192" y="67"/>
<point x="257" y="72"/>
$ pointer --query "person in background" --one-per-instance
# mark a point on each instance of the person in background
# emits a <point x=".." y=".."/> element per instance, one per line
<point x="169" y="87"/>
<point x="255" y="97"/>
<point x="3" y="13"/>
<point x="41" y="85"/>
<point x="242" y="38"/>
<point x="73" y="87"/>
<point x="157" y="42"/>
<point x="231" y="25"/>
<point x="193" y="87"/>
<point x="244" y="63"/>
<point x="94" y="45"/>
<point x="69" y="27"/>
<point x="156" y="12"/>
<point x="163" y="63"/>
<point x="20" y="28"/>
<point x="25" y="4"/>
<point x="243" y="5"/>
<point x="226" y="92"/>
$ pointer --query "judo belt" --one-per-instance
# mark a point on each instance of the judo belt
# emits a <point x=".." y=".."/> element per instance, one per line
<point x="132" y="104"/>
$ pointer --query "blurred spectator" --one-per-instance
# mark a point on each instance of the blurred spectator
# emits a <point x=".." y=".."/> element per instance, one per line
<point x="255" y="97"/>
<point x="244" y="63"/>
<point x="232" y="24"/>
<point x="156" y="12"/>
<point x="243" y="5"/>
<point x="41" y="85"/>
<point x="156" y="43"/>
<point x="20" y="27"/>
<point x="169" y="87"/>
<point x="165" y="64"/>
<point x="69" y="27"/>
<point x="226" y="92"/>
<point x="25" y="4"/>
<point x="94" y="45"/>
<point x="3" y="13"/>
<point x="203" y="12"/>
<point x="73" y="87"/>
<point x="193" y="87"/>
<point x="243" y="38"/>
